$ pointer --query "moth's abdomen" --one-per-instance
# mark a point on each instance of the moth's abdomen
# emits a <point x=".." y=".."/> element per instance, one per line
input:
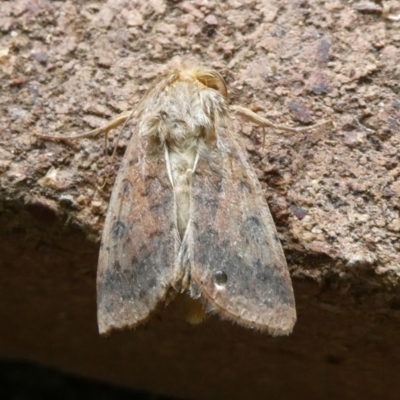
<point x="181" y="165"/>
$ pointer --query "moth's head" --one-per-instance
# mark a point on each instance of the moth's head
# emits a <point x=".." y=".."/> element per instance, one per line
<point x="181" y="103"/>
<point x="207" y="77"/>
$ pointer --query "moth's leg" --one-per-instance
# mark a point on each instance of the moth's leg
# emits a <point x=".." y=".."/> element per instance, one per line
<point x="265" y="123"/>
<point x="116" y="121"/>
<point x="386" y="9"/>
<point x="193" y="170"/>
<point x="168" y="165"/>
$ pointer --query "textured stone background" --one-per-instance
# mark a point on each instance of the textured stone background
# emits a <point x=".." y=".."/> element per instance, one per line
<point x="68" y="67"/>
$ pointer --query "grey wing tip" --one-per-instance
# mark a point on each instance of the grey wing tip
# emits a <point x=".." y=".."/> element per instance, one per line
<point x="106" y="330"/>
<point x="284" y="325"/>
<point x="277" y="324"/>
<point x="105" y="333"/>
<point x="274" y="330"/>
<point x="281" y="331"/>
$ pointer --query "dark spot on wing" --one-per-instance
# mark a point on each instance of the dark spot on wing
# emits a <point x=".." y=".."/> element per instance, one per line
<point x="161" y="204"/>
<point x="245" y="187"/>
<point x="126" y="187"/>
<point x="252" y="221"/>
<point x="212" y="206"/>
<point x="152" y="283"/>
<point x="118" y="230"/>
<point x="262" y="277"/>
<point x="133" y="161"/>
<point x="252" y="230"/>
<point x="117" y="265"/>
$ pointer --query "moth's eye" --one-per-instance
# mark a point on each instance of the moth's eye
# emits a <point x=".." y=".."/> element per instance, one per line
<point x="213" y="80"/>
<point x="220" y="278"/>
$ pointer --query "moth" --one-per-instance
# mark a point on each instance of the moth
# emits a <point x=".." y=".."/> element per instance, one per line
<point x="187" y="216"/>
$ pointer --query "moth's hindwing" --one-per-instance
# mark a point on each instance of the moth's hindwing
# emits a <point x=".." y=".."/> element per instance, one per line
<point x="137" y="252"/>
<point x="238" y="265"/>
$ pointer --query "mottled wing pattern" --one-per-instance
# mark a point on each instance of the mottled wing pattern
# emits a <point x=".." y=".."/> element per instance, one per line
<point x="238" y="266"/>
<point x="137" y="252"/>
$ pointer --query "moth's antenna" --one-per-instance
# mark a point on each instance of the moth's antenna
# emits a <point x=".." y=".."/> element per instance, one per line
<point x="265" y="123"/>
<point x="118" y="120"/>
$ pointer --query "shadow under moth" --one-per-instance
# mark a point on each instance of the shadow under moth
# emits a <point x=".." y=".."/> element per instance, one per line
<point x="187" y="216"/>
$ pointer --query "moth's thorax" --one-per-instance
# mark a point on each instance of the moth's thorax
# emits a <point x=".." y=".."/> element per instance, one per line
<point x="189" y="114"/>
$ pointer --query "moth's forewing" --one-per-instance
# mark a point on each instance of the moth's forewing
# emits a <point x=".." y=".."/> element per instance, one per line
<point x="137" y="251"/>
<point x="238" y="265"/>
